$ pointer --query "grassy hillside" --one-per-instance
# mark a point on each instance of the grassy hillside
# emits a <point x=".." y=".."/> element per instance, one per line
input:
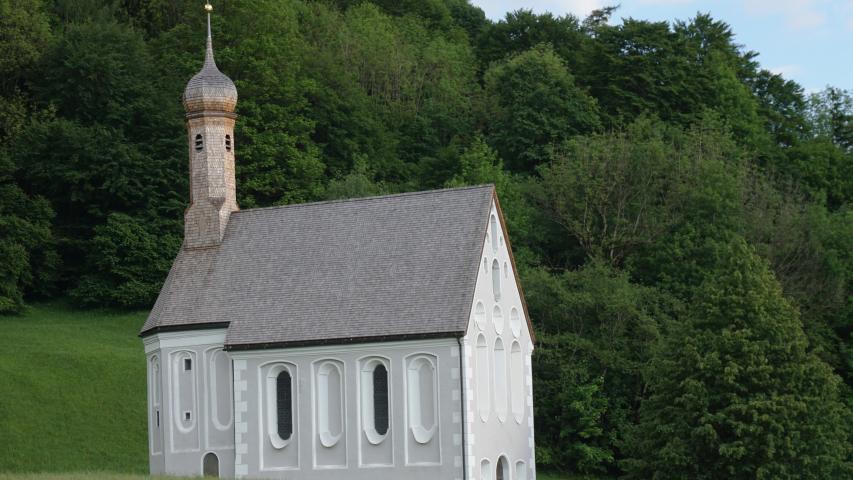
<point x="72" y="392"/>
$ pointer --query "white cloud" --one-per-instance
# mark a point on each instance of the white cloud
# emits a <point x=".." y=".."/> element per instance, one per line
<point x="787" y="71"/>
<point x="798" y="14"/>
<point x="496" y="9"/>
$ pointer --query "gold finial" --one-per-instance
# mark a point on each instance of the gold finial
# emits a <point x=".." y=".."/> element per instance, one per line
<point x="208" y="7"/>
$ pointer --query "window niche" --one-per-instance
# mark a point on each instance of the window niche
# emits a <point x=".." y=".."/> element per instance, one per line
<point x="480" y="316"/>
<point x="496" y="280"/>
<point x="280" y="403"/>
<point x="422" y="404"/>
<point x="520" y="470"/>
<point x="199" y="142"/>
<point x="483" y="391"/>
<point x="485" y="469"/>
<point x="500" y="380"/>
<point x="375" y="400"/>
<point x="329" y="404"/>
<point x="493" y="227"/>
<point x="184" y="393"/>
<point x="227" y="143"/>
<point x="517" y="384"/>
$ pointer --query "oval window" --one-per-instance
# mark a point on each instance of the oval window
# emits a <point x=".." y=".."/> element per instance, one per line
<point x="284" y="405"/>
<point x="280" y="403"/>
<point x="375" y="405"/>
<point x="380" y="399"/>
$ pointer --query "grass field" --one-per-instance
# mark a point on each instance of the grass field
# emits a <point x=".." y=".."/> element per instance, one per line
<point x="72" y="392"/>
<point x="72" y="396"/>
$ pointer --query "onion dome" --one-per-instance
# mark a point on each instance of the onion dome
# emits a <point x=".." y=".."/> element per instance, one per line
<point x="210" y="89"/>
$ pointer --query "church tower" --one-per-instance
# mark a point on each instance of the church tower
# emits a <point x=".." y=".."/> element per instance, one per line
<point x="209" y="100"/>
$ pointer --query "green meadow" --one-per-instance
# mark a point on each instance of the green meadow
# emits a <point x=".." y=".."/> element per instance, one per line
<point x="72" y="392"/>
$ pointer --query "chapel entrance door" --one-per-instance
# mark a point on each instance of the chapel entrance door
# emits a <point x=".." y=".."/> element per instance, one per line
<point x="210" y="465"/>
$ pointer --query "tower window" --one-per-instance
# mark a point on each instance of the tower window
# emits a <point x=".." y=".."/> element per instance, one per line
<point x="228" y="142"/>
<point x="188" y="364"/>
<point x="199" y="143"/>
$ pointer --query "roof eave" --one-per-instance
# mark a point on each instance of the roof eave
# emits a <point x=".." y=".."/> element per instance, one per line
<point x="342" y="341"/>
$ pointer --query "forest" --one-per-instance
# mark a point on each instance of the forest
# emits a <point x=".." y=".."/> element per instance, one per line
<point x="682" y="219"/>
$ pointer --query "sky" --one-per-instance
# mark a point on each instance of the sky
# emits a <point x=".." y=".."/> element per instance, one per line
<point x="809" y="41"/>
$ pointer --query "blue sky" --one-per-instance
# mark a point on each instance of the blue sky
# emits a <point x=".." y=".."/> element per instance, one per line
<point x="809" y="41"/>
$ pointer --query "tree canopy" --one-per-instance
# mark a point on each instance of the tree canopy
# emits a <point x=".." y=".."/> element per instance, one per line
<point x="681" y="217"/>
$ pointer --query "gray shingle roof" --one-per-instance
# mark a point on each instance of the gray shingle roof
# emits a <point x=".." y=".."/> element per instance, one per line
<point x="397" y="266"/>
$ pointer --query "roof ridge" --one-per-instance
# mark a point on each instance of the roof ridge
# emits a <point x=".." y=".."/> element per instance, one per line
<point x="359" y="199"/>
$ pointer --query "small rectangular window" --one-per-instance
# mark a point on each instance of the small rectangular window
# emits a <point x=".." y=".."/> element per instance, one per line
<point x="188" y="364"/>
<point x="187" y="416"/>
<point x="158" y="418"/>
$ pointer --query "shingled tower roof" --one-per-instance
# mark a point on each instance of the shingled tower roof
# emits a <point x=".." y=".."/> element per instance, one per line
<point x="209" y="89"/>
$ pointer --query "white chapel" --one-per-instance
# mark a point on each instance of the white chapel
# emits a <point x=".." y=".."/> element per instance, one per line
<point x="376" y="338"/>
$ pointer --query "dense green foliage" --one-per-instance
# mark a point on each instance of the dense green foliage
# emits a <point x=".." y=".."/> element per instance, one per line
<point x="681" y="218"/>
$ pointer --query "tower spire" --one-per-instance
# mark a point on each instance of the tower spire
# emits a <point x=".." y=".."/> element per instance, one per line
<point x="208" y="54"/>
<point x="210" y="99"/>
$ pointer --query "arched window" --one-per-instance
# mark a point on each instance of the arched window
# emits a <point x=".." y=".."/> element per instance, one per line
<point x="483" y="394"/>
<point x="500" y="380"/>
<point x="280" y="404"/>
<point x="502" y="470"/>
<point x="485" y="469"/>
<point x="421" y="394"/>
<point x="330" y="404"/>
<point x="498" y="319"/>
<point x="375" y="416"/>
<point x="516" y="375"/>
<point x="380" y="399"/>
<point x="520" y="470"/>
<point x="284" y="405"/>
<point x="480" y="316"/>
<point x="496" y="280"/>
<point x="228" y="143"/>
<point x="199" y="142"/>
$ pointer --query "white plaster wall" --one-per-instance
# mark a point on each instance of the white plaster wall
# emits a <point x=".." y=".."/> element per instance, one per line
<point x="353" y="457"/>
<point x="183" y="449"/>
<point x="488" y="434"/>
